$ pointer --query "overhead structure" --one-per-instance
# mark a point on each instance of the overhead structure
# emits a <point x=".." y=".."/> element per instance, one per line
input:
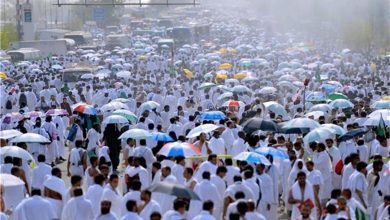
<point x="114" y="3"/>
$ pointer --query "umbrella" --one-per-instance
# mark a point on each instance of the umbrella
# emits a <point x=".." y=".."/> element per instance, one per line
<point x="301" y="123"/>
<point x="122" y="100"/>
<point x="240" y="89"/>
<point x="341" y="103"/>
<point x="127" y="114"/>
<point x="288" y="78"/>
<point x="377" y="113"/>
<point x="274" y="152"/>
<point x="7" y="134"/>
<point x="136" y="134"/>
<point x="337" y="95"/>
<point x="59" y="112"/>
<point x="188" y="73"/>
<point x="252" y="157"/>
<point x="276" y="108"/>
<point x="249" y="79"/>
<point x="225" y="66"/>
<point x="34" y="114"/>
<point x="286" y="84"/>
<point x="320" y="107"/>
<point x="221" y="76"/>
<point x="112" y="106"/>
<point x="267" y="90"/>
<point x="224" y="96"/>
<point x="318" y="134"/>
<point x="123" y="74"/>
<point x="31" y="138"/>
<point x="335" y="128"/>
<point x="212" y="115"/>
<point x="173" y="190"/>
<point x="233" y="103"/>
<point x="255" y="124"/>
<point x="352" y="134"/>
<point x="240" y="75"/>
<point x="149" y="105"/>
<point x="10" y="180"/>
<point x="159" y="136"/>
<point x="232" y="81"/>
<point x="205" y="128"/>
<point x="115" y="119"/>
<point x="179" y="149"/>
<point x="84" y="108"/>
<point x="14" y="151"/>
<point x="375" y="121"/>
<point x="381" y="105"/>
<point x="206" y="85"/>
<point x="3" y="75"/>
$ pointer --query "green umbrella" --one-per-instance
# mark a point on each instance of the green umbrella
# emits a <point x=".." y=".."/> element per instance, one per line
<point x="337" y="95"/>
<point x="246" y="63"/>
<point x="127" y="114"/>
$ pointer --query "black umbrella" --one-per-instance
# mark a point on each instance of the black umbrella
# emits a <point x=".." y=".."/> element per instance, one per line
<point x="352" y="133"/>
<point x="174" y="190"/>
<point x="255" y="124"/>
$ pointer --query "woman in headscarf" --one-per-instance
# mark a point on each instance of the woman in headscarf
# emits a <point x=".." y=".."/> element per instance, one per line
<point x="110" y="137"/>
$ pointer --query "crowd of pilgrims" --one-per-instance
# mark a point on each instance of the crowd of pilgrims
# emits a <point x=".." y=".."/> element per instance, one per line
<point x="110" y="178"/>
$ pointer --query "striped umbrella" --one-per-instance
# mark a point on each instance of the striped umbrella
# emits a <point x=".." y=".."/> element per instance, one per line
<point x="84" y="108"/>
<point x="179" y="149"/>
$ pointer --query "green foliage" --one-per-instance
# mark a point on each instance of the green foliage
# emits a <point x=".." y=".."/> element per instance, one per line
<point x="7" y="35"/>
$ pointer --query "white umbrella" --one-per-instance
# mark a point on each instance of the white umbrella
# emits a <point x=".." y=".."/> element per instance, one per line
<point x="149" y="105"/>
<point x="240" y="89"/>
<point x="318" y="134"/>
<point x="335" y="128"/>
<point x="14" y="151"/>
<point x="123" y="74"/>
<point x="7" y="134"/>
<point x="276" y="108"/>
<point x="377" y="113"/>
<point x="341" y="103"/>
<point x="115" y="119"/>
<point x="136" y="134"/>
<point x="31" y="138"/>
<point x="10" y="180"/>
<point x="301" y="123"/>
<point x="112" y="106"/>
<point x="206" y="128"/>
<point x="267" y="90"/>
<point x="321" y="107"/>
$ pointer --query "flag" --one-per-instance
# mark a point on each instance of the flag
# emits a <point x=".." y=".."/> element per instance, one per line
<point x="381" y="131"/>
<point x="172" y="70"/>
<point x="318" y="74"/>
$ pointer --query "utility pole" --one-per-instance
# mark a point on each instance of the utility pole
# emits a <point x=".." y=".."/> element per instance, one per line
<point x="18" y="20"/>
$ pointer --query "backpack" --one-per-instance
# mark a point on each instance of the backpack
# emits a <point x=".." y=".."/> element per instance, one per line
<point x="72" y="133"/>
<point x="8" y="104"/>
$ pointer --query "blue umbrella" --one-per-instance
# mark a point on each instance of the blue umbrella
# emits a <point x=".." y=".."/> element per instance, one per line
<point x="353" y="133"/>
<point x="252" y="157"/>
<point x="212" y="115"/>
<point x="275" y="153"/>
<point x="159" y="136"/>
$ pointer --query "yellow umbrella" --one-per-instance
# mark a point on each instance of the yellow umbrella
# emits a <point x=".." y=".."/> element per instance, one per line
<point x="142" y="57"/>
<point x="240" y="75"/>
<point x="188" y="73"/>
<point x="221" y="76"/>
<point x="3" y="75"/>
<point x="223" y="51"/>
<point x="225" y="66"/>
<point x="232" y="51"/>
<point x="385" y="98"/>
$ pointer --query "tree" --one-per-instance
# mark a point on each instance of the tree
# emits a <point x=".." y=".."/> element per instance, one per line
<point x="7" y="35"/>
